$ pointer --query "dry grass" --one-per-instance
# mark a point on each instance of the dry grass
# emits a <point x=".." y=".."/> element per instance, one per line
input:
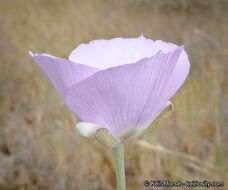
<point x="39" y="148"/>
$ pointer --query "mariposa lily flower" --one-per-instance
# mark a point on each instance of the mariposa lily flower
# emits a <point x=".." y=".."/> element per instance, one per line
<point x="117" y="87"/>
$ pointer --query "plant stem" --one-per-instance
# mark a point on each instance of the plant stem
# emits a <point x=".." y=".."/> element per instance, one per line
<point x="118" y="153"/>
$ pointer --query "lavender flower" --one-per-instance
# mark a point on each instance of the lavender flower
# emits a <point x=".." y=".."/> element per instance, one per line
<point x="117" y="87"/>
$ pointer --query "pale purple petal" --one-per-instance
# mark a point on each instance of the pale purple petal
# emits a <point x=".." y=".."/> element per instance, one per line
<point x="104" y="54"/>
<point x="128" y="96"/>
<point x="179" y="75"/>
<point x="61" y="72"/>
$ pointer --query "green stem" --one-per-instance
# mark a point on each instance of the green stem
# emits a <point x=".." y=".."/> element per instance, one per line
<point x="118" y="153"/>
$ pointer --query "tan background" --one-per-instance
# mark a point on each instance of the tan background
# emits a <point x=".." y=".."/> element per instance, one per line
<point x="39" y="148"/>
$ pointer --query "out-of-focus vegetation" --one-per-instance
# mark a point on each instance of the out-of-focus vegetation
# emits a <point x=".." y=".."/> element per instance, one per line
<point x="39" y="148"/>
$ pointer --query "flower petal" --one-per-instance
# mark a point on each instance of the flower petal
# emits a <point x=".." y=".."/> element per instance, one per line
<point x="61" y="72"/>
<point x="126" y="98"/>
<point x="179" y="74"/>
<point x="104" y="54"/>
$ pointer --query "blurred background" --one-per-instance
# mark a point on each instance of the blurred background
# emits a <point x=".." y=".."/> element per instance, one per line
<point x="39" y="148"/>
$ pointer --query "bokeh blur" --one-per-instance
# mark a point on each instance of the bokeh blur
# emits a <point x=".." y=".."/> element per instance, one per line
<point x="39" y="148"/>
